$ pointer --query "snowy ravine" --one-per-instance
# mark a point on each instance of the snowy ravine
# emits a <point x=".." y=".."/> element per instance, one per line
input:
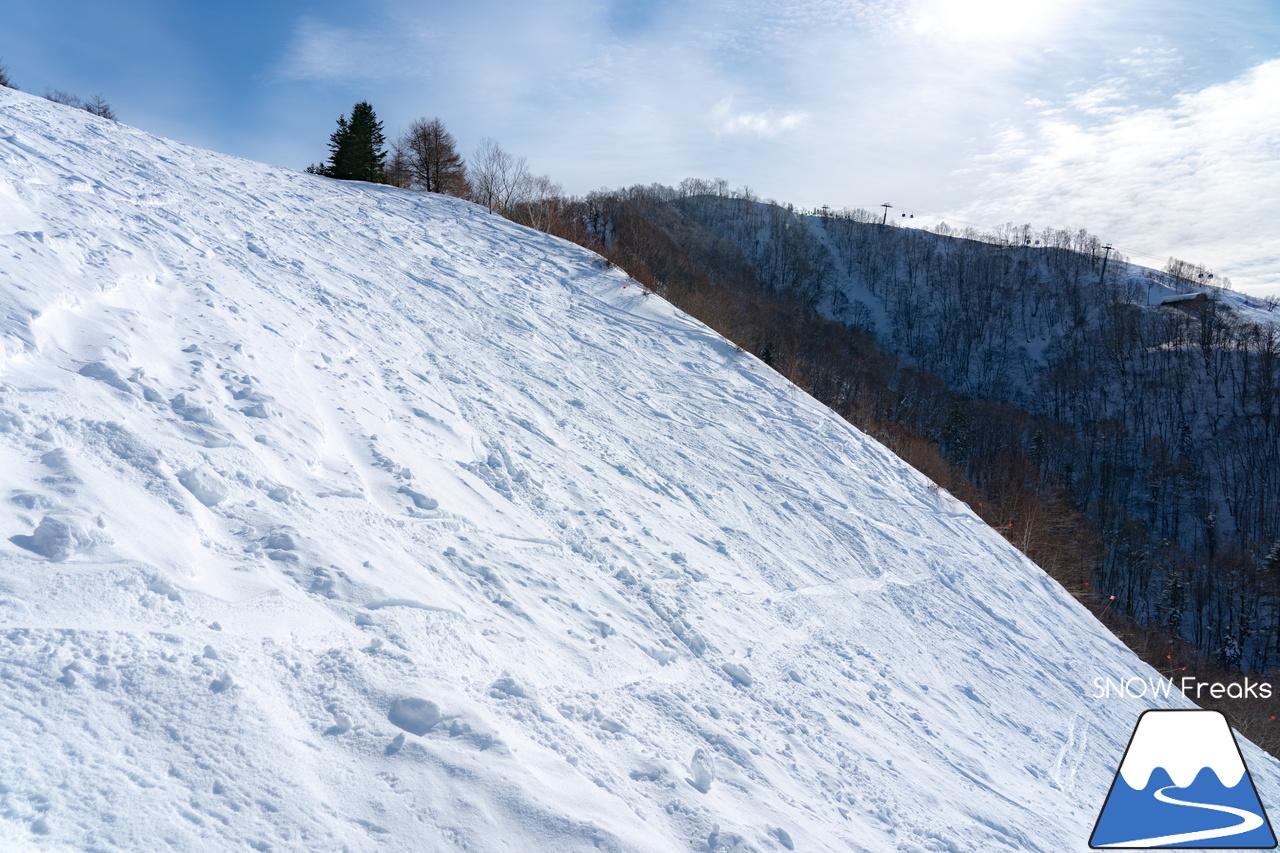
<point x="336" y="517"/>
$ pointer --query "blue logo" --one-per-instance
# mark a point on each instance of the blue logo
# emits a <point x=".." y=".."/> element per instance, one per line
<point x="1183" y="783"/>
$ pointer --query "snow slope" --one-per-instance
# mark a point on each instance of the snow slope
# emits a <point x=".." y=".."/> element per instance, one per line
<point x="339" y="517"/>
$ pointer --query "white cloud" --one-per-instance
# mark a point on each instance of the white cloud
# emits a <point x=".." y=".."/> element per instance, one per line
<point x="1198" y="178"/>
<point x="321" y="52"/>
<point x="767" y="124"/>
<point x="1103" y="99"/>
<point x="863" y="101"/>
<point x="1158" y="62"/>
<point x="986" y="21"/>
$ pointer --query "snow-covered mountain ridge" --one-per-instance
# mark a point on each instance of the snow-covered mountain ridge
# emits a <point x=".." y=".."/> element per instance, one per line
<point x="340" y="517"/>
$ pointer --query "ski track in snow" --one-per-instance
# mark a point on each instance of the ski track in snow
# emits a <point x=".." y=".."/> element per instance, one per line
<point x="338" y="517"/>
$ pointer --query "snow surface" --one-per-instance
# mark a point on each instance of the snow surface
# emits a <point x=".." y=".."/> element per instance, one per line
<point x="1163" y="289"/>
<point x="1256" y="309"/>
<point x="338" y="517"/>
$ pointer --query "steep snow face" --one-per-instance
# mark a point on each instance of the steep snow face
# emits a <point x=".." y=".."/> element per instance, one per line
<point x="337" y="517"/>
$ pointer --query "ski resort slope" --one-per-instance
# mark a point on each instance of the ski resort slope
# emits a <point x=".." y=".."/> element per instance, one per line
<point x="338" y="517"/>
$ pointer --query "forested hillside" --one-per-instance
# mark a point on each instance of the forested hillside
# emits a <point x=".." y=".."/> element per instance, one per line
<point x="1123" y="418"/>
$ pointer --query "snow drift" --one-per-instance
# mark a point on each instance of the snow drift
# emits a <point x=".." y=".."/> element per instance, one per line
<point x="339" y="517"/>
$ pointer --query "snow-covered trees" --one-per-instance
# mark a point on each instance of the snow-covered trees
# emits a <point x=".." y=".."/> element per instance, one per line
<point x="356" y="148"/>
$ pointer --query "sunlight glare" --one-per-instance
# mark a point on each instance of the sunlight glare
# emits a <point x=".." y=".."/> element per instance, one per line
<point x="987" y="20"/>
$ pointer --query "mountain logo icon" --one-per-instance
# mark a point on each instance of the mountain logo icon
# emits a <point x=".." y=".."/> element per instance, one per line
<point x="1183" y="783"/>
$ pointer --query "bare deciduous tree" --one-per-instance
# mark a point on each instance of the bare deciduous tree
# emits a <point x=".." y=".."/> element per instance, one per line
<point x="503" y="183"/>
<point x="97" y="105"/>
<point x="397" y="169"/>
<point x="430" y="157"/>
<point x="541" y="203"/>
<point x="66" y="98"/>
<point x="4" y="77"/>
<point x="496" y="176"/>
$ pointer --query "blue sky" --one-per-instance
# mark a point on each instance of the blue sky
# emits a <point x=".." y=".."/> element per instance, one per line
<point x="1156" y="125"/>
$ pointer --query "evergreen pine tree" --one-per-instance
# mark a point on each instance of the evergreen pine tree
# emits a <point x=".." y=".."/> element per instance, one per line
<point x="1230" y="653"/>
<point x="356" y="151"/>
<point x="98" y="106"/>
<point x="339" y="142"/>
<point x="957" y="434"/>
<point x="1037" y="449"/>
<point x="1173" y="601"/>
<point x="1272" y="562"/>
